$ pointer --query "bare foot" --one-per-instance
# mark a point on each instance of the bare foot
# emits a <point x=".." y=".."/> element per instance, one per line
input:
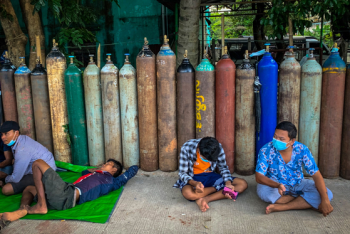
<point x="1" y="184"/>
<point x="12" y="216"/>
<point x="202" y="204"/>
<point x="37" y="209"/>
<point x="270" y="209"/>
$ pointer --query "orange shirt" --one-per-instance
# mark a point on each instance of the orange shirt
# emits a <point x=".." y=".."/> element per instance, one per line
<point x="200" y="166"/>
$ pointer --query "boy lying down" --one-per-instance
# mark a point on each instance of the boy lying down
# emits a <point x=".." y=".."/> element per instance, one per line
<point x="61" y="195"/>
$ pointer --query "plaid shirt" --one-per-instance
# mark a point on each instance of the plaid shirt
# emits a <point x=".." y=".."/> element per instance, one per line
<point x="188" y="156"/>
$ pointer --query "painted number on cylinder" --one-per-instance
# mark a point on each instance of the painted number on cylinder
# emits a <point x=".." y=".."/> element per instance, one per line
<point x="200" y="106"/>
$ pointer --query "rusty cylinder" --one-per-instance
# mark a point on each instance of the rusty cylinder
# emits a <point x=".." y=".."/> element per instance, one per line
<point x="128" y="107"/>
<point x="345" y="151"/>
<point x="225" y="107"/>
<point x="245" y="119"/>
<point x="24" y="100"/>
<point x="94" y="118"/>
<point x="56" y="66"/>
<point x="147" y="108"/>
<point x="185" y="105"/>
<point x="8" y="91"/>
<point x="111" y="111"/>
<point x="310" y="104"/>
<point x="205" y="99"/>
<point x="332" y="106"/>
<point x="41" y="106"/>
<point x="289" y="89"/>
<point x="166" y="98"/>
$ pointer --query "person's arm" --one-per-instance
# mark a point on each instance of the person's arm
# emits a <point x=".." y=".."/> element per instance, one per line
<point x="223" y="168"/>
<point x="20" y="167"/>
<point x="325" y="207"/>
<point x="261" y="170"/>
<point x="183" y="166"/>
<point x="8" y="159"/>
<point x="125" y="177"/>
<point x="311" y="168"/>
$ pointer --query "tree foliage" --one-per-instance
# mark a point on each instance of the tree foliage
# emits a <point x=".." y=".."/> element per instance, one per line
<point x="73" y="17"/>
<point x="300" y="13"/>
<point x="234" y="26"/>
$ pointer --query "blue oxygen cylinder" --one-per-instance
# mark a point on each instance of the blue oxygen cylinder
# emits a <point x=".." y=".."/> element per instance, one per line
<point x="268" y="74"/>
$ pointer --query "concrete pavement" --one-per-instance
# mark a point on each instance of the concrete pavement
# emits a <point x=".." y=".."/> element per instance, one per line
<point x="149" y="204"/>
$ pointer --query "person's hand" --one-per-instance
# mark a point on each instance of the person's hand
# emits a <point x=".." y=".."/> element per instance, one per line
<point x="199" y="187"/>
<point x="230" y="186"/>
<point x="2" y="183"/>
<point x="281" y="189"/>
<point x="325" y="208"/>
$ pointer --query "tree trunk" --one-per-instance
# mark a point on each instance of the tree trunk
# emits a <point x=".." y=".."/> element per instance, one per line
<point x="343" y="50"/>
<point x="188" y="31"/>
<point x="35" y="28"/>
<point x="15" y="38"/>
<point x="258" y="29"/>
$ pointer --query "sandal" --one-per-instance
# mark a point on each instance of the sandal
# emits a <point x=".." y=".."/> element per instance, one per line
<point x="233" y="194"/>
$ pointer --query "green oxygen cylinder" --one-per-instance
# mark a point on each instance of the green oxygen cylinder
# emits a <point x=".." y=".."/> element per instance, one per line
<point x="76" y="114"/>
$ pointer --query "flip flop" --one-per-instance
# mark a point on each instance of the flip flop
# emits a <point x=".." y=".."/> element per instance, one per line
<point x="233" y="194"/>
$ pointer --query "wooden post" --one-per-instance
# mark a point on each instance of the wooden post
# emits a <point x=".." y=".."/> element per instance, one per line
<point x="38" y="48"/>
<point x="290" y="23"/>
<point x="99" y="56"/>
<point x="222" y="34"/>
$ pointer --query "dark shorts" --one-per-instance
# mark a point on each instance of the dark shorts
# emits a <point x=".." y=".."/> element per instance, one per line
<point x="211" y="179"/>
<point x="26" y="180"/>
<point x="59" y="194"/>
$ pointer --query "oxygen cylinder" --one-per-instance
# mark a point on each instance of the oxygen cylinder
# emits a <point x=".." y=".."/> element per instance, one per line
<point x="147" y="108"/>
<point x="24" y="100"/>
<point x="128" y="106"/>
<point x="111" y="111"/>
<point x="56" y="65"/>
<point x="185" y="105"/>
<point x="332" y="106"/>
<point x="310" y="104"/>
<point x="205" y="99"/>
<point x="245" y="119"/>
<point x="41" y="106"/>
<point x="8" y="90"/>
<point x="268" y="73"/>
<point x="289" y="89"/>
<point x="76" y="114"/>
<point x="166" y="98"/>
<point x="225" y="107"/>
<point x="345" y="152"/>
<point x="93" y="108"/>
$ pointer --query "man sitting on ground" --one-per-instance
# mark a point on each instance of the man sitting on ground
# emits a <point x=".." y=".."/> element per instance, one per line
<point x="280" y="176"/>
<point x="198" y="181"/>
<point x="25" y="151"/>
<point x="51" y="192"/>
<point x="6" y="159"/>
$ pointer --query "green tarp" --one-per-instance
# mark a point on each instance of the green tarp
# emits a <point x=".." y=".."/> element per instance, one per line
<point x="97" y="211"/>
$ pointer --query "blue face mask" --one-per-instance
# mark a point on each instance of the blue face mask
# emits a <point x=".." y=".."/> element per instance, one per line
<point x="279" y="145"/>
<point x="204" y="160"/>
<point x="12" y="142"/>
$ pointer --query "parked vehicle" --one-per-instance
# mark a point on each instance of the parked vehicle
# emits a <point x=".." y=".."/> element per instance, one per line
<point x="238" y="46"/>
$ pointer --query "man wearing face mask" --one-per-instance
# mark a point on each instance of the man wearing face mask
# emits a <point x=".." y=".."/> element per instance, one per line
<point x="25" y="151"/>
<point x="280" y="176"/>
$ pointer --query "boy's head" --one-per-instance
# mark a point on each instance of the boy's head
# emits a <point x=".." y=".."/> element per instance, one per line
<point x="113" y="166"/>
<point x="209" y="148"/>
<point x="287" y="130"/>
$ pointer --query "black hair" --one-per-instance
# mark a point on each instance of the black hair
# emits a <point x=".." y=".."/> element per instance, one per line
<point x="117" y="165"/>
<point x="209" y="147"/>
<point x="289" y="127"/>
